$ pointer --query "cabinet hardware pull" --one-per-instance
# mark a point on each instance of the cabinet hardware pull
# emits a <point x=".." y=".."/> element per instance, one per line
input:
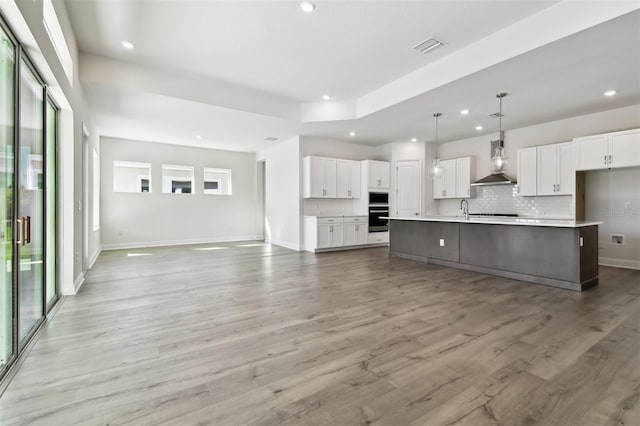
<point x="609" y="159"/>
<point x="605" y="160"/>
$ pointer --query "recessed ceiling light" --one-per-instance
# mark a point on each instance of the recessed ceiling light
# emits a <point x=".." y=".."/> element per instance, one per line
<point x="479" y="127"/>
<point x="610" y="93"/>
<point x="198" y="137"/>
<point x="414" y="140"/>
<point x="307" y="6"/>
<point x="352" y="133"/>
<point x="326" y="97"/>
<point x="464" y="111"/>
<point x="128" y="45"/>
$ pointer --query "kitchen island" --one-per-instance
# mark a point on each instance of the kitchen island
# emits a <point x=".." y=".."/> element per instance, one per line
<point x="558" y="253"/>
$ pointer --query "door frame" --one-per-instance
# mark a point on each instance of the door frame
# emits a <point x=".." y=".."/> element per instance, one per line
<point x="86" y="153"/>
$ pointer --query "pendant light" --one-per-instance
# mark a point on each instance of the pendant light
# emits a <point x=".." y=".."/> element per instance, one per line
<point x="436" y="168"/>
<point x="499" y="161"/>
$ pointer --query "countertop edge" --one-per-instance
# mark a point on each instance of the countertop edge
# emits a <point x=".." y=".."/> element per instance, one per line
<point x="554" y="223"/>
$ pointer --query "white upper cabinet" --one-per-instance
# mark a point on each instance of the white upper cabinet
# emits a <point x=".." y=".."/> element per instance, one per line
<point x="547" y="165"/>
<point x="463" y="177"/>
<point x="624" y="148"/>
<point x="319" y="177"/>
<point x="455" y="181"/>
<point x="377" y="174"/>
<point x="347" y="179"/>
<point x="546" y="170"/>
<point x="444" y="186"/>
<point x="527" y="171"/>
<point x="610" y="150"/>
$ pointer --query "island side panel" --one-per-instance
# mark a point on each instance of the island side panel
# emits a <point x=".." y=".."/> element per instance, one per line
<point x="589" y="255"/>
<point x="547" y="252"/>
<point x="420" y="240"/>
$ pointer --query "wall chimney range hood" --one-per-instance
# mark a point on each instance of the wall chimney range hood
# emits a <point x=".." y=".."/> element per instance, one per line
<point x="497" y="176"/>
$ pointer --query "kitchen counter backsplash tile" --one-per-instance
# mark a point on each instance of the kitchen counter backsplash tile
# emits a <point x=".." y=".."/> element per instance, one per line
<point x="505" y="199"/>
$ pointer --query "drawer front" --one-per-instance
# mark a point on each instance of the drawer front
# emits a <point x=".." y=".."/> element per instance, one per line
<point x="355" y="219"/>
<point x="378" y="237"/>
<point x="329" y="220"/>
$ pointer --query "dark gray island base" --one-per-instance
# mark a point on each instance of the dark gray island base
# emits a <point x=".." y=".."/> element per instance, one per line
<point x="558" y="256"/>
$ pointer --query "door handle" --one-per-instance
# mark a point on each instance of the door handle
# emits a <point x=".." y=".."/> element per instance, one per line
<point x="20" y="226"/>
<point x="28" y="227"/>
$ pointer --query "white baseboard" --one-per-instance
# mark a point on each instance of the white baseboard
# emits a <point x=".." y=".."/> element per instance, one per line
<point x="286" y="244"/>
<point x="94" y="257"/>
<point x="146" y="244"/>
<point x="619" y="263"/>
<point x="73" y="289"/>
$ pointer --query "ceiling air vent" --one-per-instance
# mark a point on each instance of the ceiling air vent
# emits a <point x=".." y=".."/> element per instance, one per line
<point x="428" y="45"/>
<point x="270" y="139"/>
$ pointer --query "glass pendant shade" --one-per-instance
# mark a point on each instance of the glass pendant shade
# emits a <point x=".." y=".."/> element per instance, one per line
<point x="436" y="169"/>
<point x="498" y="161"/>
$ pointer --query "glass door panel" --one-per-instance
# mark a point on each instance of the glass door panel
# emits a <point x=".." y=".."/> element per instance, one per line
<point x="7" y="134"/>
<point x="31" y="204"/>
<point x="50" y="183"/>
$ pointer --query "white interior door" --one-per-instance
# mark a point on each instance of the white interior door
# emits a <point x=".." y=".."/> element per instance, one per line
<point x="408" y="188"/>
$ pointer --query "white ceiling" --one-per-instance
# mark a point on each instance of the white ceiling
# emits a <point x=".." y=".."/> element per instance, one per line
<point x="236" y="72"/>
<point x="343" y="48"/>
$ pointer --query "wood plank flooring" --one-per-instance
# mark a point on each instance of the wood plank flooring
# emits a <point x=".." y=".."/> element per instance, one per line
<point x="252" y="334"/>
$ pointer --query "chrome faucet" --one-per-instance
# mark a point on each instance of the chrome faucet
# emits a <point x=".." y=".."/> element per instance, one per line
<point x="464" y="206"/>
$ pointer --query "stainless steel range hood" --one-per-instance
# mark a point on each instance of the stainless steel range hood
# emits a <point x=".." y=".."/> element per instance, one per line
<point x="497" y="177"/>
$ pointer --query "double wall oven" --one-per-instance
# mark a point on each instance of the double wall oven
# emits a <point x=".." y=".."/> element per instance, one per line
<point x="378" y="208"/>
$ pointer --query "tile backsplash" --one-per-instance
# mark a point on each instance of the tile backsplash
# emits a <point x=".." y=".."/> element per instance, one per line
<point x="505" y="199"/>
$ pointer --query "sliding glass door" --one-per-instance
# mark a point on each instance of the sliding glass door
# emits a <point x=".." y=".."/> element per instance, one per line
<point x="7" y="134"/>
<point x="31" y="203"/>
<point x="28" y="283"/>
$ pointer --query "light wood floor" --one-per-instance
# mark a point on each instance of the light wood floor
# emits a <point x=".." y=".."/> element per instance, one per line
<point x="258" y="335"/>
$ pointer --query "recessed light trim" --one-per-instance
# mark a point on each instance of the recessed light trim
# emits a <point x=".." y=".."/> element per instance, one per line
<point x="478" y="128"/>
<point x="198" y="137"/>
<point x="128" y="45"/>
<point x="352" y="133"/>
<point x="326" y="97"/>
<point x="464" y="111"/>
<point x="610" y="93"/>
<point x="414" y="140"/>
<point x="307" y="6"/>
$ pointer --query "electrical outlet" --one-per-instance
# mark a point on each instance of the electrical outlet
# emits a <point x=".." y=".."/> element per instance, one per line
<point x="627" y="205"/>
<point x="441" y="242"/>
<point x="617" y="240"/>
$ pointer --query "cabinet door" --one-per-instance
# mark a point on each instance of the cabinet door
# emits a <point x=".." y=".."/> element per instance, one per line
<point x="463" y="177"/>
<point x="566" y="169"/>
<point x="350" y="235"/>
<point x="449" y="176"/>
<point x="374" y="171"/>
<point x="315" y="178"/>
<point x="324" y="235"/>
<point x="329" y="177"/>
<point x="547" y="162"/>
<point x="362" y="233"/>
<point x="354" y="185"/>
<point x="624" y="149"/>
<point x="527" y="159"/>
<point x="336" y="236"/>
<point x="343" y="179"/>
<point x="384" y="171"/>
<point x="591" y="152"/>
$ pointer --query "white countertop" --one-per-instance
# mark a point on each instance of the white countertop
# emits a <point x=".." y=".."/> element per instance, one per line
<point x="335" y="215"/>
<point x="557" y="223"/>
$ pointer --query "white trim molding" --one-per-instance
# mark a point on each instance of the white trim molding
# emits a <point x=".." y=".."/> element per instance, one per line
<point x="286" y="244"/>
<point x="93" y="258"/>
<point x="164" y="243"/>
<point x="619" y="263"/>
<point x="73" y="289"/>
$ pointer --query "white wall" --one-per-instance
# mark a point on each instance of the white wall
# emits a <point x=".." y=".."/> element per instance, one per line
<point x="607" y="195"/>
<point x="541" y="134"/>
<point x="138" y="220"/>
<point x="283" y="205"/>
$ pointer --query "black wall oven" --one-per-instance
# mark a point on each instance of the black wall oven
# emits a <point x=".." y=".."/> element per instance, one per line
<point x="379" y="198"/>
<point x="376" y="223"/>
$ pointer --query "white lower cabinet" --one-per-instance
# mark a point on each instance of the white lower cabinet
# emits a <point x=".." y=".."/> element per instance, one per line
<point x="334" y="232"/>
<point x="355" y="231"/>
